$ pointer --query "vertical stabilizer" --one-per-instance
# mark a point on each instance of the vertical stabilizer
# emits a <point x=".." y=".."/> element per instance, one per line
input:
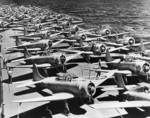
<point x="120" y="81"/>
<point x="36" y="75"/>
<point x="142" y="47"/>
<point x="26" y="53"/>
<point x="18" y="41"/>
<point x="108" y="56"/>
<point x="25" y="31"/>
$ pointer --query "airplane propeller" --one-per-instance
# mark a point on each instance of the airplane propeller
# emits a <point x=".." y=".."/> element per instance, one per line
<point x="91" y="90"/>
<point x="103" y="48"/>
<point x="146" y="67"/>
<point x="131" y="41"/>
<point x="63" y="60"/>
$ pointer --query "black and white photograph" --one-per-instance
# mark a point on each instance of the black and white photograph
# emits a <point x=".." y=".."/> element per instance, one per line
<point x="74" y="58"/>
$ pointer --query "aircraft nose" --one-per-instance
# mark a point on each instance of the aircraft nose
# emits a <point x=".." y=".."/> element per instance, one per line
<point x="91" y="89"/>
<point x="146" y="67"/>
<point x="103" y="48"/>
<point x="62" y="59"/>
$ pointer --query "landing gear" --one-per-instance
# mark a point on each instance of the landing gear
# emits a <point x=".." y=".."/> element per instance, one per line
<point x="90" y="100"/>
<point x="48" y="113"/>
<point x="66" y="109"/>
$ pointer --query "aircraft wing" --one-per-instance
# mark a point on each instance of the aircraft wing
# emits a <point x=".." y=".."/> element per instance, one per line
<point x="142" y="58"/>
<point x="30" y="66"/>
<point x="117" y="104"/>
<point x="138" y="44"/>
<point x="114" y="34"/>
<point x="54" y="97"/>
<point x="36" y="82"/>
<point x="29" y="38"/>
<point x="73" y="56"/>
<point x="100" y="38"/>
<point x="22" y="50"/>
<point x="102" y="78"/>
<point x="55" y="43"/>
<point x="114" y="71"/>
<point x="118" y="48"/>
<point x="113" y="44"/>
<point x="76" y="50"/>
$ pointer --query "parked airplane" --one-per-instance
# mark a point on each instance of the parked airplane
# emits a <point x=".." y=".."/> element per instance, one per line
<point x="62" y="88"/>
<point x="138" y="95"/>
<point x="136" y="67"/>
<point x="41" y="44"/>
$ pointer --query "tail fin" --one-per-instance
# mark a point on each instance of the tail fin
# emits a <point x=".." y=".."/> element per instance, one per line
<point x="25" y="31"/>
<point x="108" y="57"/>
<point x="99" y="67"/>
<point x="120" y="81"/>
<point x="80" y="42"/>
<point x="117" y="36"/>
<point x="18" y="41"/>
<point x="26" y="53"/>
<point x="142" y="47"/>
<point x="36" y="75"/>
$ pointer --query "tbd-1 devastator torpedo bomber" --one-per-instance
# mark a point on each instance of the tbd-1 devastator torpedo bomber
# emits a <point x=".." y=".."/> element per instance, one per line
<point x="52" y="46"/>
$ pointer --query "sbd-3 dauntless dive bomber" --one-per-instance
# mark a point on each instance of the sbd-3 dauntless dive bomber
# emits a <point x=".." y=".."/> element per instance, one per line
<point x="49" y="40"/>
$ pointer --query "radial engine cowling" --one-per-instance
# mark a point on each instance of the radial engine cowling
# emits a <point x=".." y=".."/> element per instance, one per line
<point x="66" y="24"/>
<point x="146" y="67"/>
<point x="105" y="32"/>
<point x="49" y="43"/>
<point x="129" y="41"/>
<point x="81" y="37"/>
<point x="62" y="59"/>
<point x="75" y="28"/>
<point x="98" y="48"/>
<point x="87" y="89"/>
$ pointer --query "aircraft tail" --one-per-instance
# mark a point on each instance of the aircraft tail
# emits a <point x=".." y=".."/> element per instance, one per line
<point x="26" y="53"/>
<point x="80" y="42"/>
<point x="117" y="38"/>
<point x="108" y="56"/>
<point x="25" y="31"/>
<point x="36" y="74"/>
<point x="142" y="47"/>
<point x="18" y="41"/>
<point x="120" y="81"/>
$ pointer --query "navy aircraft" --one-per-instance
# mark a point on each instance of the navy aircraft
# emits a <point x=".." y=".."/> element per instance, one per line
<point x="135" y="67"/>
<point x="62" y="88"/>
<point x="133" y="95"/>
<point x="40" y="45"/>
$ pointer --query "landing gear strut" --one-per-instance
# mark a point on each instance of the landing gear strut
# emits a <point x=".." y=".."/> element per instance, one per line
<point x="66" y="109"/>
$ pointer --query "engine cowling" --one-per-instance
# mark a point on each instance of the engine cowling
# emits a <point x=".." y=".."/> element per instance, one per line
<point x="87" y="89"/>
<point x="98" y="48"/>
<point x="50" y="43"/>
<point x="80" y="37"/>
<point x="48" y="34"/>
<point x="129" y="41"/>
<point x="105" y="32"/>
<point x="83" y="37"/>
<point x="62" y="59"/>
<point x="12" y="20"/>
<point x="66" y="24"/>
<point x="146" y="67"/>
<point x="40" y="26"/>
<point x="75" y="28"/>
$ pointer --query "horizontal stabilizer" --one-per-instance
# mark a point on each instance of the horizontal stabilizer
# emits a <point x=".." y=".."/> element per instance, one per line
<point x="116" y="104"/>
<point x="35" y="82"/>
<point x="54" y="97"/>
<point x="30" y="66"/>
<point x="115" y="71"/>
